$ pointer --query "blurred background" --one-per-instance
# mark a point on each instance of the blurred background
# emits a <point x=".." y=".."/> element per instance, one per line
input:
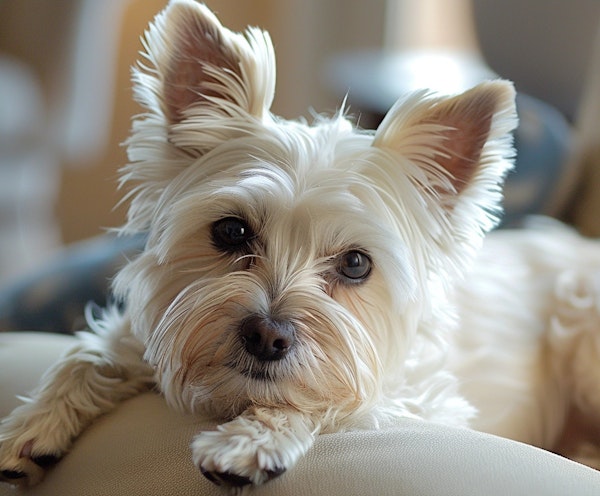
<point x="65" y="99"/>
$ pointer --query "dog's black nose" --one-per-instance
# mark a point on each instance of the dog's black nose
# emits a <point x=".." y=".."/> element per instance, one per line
<point x="265" y="338"/>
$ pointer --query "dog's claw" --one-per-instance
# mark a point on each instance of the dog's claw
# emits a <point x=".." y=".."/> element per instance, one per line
<point x="275" y="473"/>
<point x="234" y="480"/>
<point x="46" y="461"/>
<point x="12" y="474"/>
<point x="226" y="479"/>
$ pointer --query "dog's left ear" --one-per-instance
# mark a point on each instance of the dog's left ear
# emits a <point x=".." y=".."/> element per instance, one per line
<point x="457" y="141"/>
<point x="201" y="85"/>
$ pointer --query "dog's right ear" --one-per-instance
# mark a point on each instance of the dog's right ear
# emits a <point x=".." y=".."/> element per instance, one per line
<point x="195" y="69"/>
<point x="457" y="151"/>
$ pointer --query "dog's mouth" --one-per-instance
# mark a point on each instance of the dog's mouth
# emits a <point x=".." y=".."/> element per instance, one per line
<point x="265" y="372"/>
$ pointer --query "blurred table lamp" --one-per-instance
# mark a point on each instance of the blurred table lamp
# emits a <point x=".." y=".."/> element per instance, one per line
<point x="433" y="44"/>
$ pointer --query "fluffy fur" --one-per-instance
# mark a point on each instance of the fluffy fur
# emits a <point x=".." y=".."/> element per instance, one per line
<point x="357" y="257"/>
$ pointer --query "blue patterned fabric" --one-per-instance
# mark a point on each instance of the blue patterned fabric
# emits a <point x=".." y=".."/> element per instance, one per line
<point x="54" y="298"/>
<point x="543" y="141"/>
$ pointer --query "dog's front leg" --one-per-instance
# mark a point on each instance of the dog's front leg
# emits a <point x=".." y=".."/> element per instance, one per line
<point x="255" y="447"/>
<point x="89" y="380"/>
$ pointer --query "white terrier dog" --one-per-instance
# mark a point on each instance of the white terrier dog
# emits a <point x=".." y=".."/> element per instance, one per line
<point x="302" y="279"/>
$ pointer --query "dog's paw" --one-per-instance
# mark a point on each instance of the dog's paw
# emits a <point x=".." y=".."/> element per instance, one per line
<point x="234" y="480"/>
<point x="22" y="463"/>
<point x="248" y="456"/>
<point x="31" y="441"/>
<point x="250" y="449"/>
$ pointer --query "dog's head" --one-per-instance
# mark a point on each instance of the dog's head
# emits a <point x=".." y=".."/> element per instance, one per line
<point x="294" y="264"/>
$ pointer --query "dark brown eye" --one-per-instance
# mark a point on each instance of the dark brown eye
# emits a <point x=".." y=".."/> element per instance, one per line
<point x="354" y="266"/>
<point x="231" y="234"/>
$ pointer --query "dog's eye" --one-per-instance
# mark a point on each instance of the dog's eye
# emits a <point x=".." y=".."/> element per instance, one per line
<point x="231" y="234"/>
<point x="354" y="265"/>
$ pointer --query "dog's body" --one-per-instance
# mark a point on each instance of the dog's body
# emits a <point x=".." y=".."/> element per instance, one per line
<point x="541" y="329"/>
<point x="301" y="279"/>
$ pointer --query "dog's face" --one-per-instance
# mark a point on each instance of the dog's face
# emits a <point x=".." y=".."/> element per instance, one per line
<point x="290" y="264"/>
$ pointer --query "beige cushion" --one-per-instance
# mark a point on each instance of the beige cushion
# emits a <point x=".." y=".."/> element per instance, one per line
<point x="142" y="449"/>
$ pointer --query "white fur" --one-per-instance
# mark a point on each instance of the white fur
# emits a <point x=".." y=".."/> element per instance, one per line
<point x="500" y="335"/>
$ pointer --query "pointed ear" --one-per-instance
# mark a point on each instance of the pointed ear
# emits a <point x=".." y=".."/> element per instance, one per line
<point x="198" y="68"/>
<point x="453" y="138"/>
<point x="201" y="84"/>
